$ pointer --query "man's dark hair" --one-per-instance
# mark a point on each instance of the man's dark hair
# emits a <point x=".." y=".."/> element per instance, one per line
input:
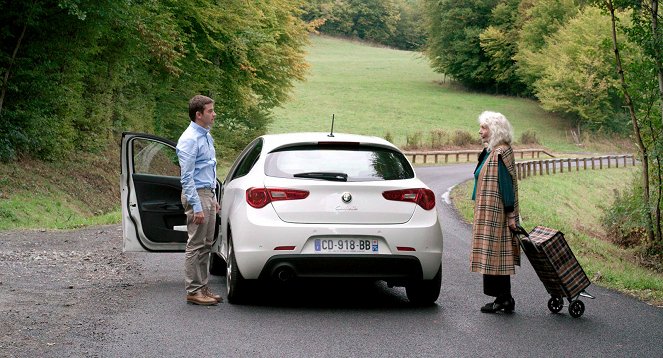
<point x="197" y="104"/>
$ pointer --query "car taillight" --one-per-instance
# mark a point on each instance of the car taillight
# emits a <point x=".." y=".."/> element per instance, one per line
<point x="259" y="197"/>
<point x="422" y="197"/>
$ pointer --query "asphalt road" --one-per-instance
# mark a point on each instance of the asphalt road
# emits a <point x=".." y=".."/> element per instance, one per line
<point x="339" y="319"/>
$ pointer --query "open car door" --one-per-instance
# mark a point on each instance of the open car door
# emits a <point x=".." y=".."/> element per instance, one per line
<point x="153" y="217"/>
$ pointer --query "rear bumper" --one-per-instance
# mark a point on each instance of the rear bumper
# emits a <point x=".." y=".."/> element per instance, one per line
<point x="257" y="235"/>
<point x="391" y="268"/>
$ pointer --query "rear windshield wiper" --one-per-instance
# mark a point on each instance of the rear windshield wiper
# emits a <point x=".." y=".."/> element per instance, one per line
<point x="323" y="175"/>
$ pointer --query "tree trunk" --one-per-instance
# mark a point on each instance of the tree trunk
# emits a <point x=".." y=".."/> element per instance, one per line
<point x="658" y="58"/>
<point x="11" y="63"/>
<point x="657" y="52"/>
<point x="636" y="126"/>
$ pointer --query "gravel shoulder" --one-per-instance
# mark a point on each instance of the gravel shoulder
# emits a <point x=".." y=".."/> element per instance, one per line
<point x="60" y="289"/>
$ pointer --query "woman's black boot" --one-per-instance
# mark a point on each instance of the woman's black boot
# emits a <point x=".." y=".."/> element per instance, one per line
<point x="502" y="303"/>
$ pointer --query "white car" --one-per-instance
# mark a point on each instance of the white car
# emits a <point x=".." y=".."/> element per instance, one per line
<point x="295" y="206"/>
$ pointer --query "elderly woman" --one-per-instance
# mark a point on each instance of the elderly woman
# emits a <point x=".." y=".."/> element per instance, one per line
<point x="495" y="251"/>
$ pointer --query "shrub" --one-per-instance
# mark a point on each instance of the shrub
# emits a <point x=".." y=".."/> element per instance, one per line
<point x="438" y="138"/>
<point x="529" y="137"/>
<point x="463" y="139"/>
<point x="413" y="141"/>
<point x="624" y="221"/>
<point x="388" y="137"/>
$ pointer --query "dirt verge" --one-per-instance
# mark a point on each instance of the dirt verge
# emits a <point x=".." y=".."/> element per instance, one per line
<point x="59" y="290"/>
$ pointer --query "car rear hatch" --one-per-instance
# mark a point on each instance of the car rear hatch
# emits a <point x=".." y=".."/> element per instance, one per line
<point x="340" y="183"/>
<point x="339" y="203"/>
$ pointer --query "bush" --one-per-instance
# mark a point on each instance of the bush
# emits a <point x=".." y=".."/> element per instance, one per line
<point x="388" y="137"/>
<point x="438" y="138"/>
<point x="529" y="137"/>
<point x="463" y="139"/>
<point x="413" y="141"/>
<point x="624" y="221"/>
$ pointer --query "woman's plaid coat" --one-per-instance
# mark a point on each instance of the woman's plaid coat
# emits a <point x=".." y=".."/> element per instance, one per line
<point x="495" y="251"/>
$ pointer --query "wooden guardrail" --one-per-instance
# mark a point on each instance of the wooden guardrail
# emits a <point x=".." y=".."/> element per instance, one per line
<point x="551" y="166"/>
<point x="466" y="154"/>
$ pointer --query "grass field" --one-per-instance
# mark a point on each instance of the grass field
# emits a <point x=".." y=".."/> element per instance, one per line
<point x="574" y="204"/>
<point x="373" y="90"/>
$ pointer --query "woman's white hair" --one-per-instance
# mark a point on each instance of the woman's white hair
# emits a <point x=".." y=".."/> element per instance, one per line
<point x="499" y="127"/>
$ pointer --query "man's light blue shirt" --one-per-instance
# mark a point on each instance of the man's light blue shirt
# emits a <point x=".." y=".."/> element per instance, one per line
<point x="195" y="151"/>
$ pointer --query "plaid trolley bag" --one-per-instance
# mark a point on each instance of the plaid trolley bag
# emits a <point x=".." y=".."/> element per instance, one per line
<point x="557" y="267"/>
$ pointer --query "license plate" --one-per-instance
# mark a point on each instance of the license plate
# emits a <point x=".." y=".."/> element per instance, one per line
<point x="346" y="245"/>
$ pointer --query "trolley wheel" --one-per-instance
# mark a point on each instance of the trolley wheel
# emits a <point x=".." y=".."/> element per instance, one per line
<point x="576" y="308"/>
<point x="555" y="304"/>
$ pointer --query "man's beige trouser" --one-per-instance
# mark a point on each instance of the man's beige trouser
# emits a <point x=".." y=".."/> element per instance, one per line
<point x="200" y="240"/>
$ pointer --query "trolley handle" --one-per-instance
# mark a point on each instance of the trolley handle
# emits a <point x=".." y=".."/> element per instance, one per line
<point x="519" y="231"/>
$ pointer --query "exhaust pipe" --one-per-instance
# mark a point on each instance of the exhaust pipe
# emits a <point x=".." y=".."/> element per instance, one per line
<point x="284" y="273"/>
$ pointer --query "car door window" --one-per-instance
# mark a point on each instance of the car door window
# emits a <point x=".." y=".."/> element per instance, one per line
<point x="154" y="158"/>
<point x="248" y="161"/>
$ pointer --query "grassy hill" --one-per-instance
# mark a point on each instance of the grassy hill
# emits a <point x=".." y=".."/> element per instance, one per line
<point x="373" y="90"/>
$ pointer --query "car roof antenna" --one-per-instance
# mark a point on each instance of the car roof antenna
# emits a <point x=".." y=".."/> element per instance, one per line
<point x="331" y="133"/>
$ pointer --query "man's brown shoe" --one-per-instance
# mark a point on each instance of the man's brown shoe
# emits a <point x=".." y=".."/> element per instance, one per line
<point x="207" y="292"/>
<point x="199" y="298"/>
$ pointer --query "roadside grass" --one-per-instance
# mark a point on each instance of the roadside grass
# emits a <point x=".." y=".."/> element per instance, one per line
<point x="49" y="210"/>
<point x="81" y="191"/>
<point x="379" y="91"/>
<point x="574" y="203"/>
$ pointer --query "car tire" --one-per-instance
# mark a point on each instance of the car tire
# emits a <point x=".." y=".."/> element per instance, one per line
<point x="235" y="283"/>
<point x="424" y="292"/>
<point x="217" y="265"/>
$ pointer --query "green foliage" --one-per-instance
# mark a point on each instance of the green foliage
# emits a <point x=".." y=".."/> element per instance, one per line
<point x="453" y="45"/>
<point x="394" y="23"/>
<point x="540" y="19"/>
<point x="498" y="41"/>
<point x="643" y="76"/>
<point x="624" y="221"/>
<point x="85" y="71"/>
<point x="578" y="77"/>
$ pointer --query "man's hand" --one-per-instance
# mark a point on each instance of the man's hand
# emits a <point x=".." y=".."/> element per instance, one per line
<point x="218" y="207"/>
<point x="199" y="218"/>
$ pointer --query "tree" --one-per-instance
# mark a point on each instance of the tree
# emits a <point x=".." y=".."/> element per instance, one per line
<point x="499" y="43"/>
<point x="576" y="76"/>
<point x="642" y="88"/>
<point x="388" y="22"/>
<point x="539" y="19"/>
<point x="453" y="46"/>
<point x="76" y="73"/>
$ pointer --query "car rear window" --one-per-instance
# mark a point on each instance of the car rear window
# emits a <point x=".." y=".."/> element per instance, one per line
<point x="353" y="163"/>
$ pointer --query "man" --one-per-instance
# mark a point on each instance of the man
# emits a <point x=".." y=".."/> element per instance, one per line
<point x="197" y="157"/>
